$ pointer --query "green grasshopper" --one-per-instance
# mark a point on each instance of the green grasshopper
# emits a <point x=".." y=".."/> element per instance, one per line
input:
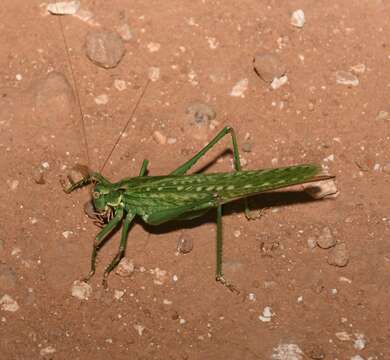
<point x="179" y="196"/>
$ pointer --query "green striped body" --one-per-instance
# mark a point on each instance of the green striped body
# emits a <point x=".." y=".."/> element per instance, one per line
<point x="162" y="198"/>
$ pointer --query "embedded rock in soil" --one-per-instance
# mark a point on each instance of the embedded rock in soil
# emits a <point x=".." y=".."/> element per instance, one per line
<point x="298" y="18"/>
<point x="326" y="239"/>
<point x="346" y="78"/>
<point x="338" y="256"/>
<point x="184" y="245"/>
<point x="200" y="113"/>
<point x="125" y="267"/>
<point x="104" y="48"/>
<point x="268" y="67"/>
<point x="53" y="95"/>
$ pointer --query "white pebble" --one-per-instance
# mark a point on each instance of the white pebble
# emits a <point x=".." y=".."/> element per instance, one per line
<point x="167" y="302"/>
<point x="357" y="357"/>
<point x="298" y="18"/>
<point x="300" y="299"/>
<point x="8" y="304"/>
<point x="237" y="233"/>
<point x="239" y="89"/>
<point x="182" y="321"/>
<point x="175" y="278"/>
<point x="139" y="328"/>
<point x="81" y="290"/>
<point x="67" y="233"/>
<point x="159" y="137"/>
<point x="101" y="99"/>
<point x="360" y="342"/>
<point x="63" y="7"/>
<point x="118" y="294"/>
<point x="120" y="85"/>
<point x="125" y="267"/>
<point x="213" y="42"/>
<point x="252" y="297"/>
<point x="358" y="68"/>
<point x="266" y="315"/>
<point x="153" y="47"/>
<point x="346" y="78"/>
<point x="287" y="352"/>
<point x="343" y="336"/>
<point x="47" y="350"/>
<point x="18" y="77"/>
<point x="278" y="82"/>
<point x="154" y="73"/>
<point x="160" y="276"/>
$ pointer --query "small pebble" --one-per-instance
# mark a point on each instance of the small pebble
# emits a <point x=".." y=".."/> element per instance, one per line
<point x="48" y="350"/>
<point x="358" y="68"/>
<point x="311" y="243"/>
<point x="357" y="357"/>
<point x="125" y="267"/>
<point x="154" y="73"/>
<point x="343" y="336"/>
<point x="338" y="255"/>
<point x="278" y="82"/>
<point x="160" y="276"/>
<point x="63" y="7"/>
<point x="124" y="32"/>
<point x="360" y="342"/>
<point x="184" y="245"/>
<point x="120" y="85"/>
<point x="268" y="67"/>
<point x="153" y="47"/>
<point x="346" y="78"/>
<point x="266" y="315"/>
<point x="101" y="99"/>
<point x="139" y="328"/>
<point x="67" y="233"/>
<point x="326" y="239"/>
<point x="18" y="77"/>
<point x="118" y="294"/>
<point x="287" y="352"/>
<point x="322" y="189"/>
<point x="298" y="18"/>
<point x="383" y="115"/>
<point x="239" y="89"/>
<point x="8" y="304"/>
<point x="171" y="141"/>
<point x="104" y="48"/>
<point x="200" y="113"/>
<point x="252" y="297"/>
<point x="159" y="137"/>
<point x="81" y="290"/>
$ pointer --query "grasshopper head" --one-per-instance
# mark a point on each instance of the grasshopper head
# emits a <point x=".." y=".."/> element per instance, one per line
<point x="104" y="198"/>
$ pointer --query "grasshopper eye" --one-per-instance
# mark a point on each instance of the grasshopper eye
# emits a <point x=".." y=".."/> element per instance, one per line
<point x="96" y="194"/>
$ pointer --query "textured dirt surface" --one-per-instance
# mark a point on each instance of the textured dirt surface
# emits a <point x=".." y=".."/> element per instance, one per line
<point x="202" y="50"/>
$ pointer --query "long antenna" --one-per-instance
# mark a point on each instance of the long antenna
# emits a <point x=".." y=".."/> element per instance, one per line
<point x="127" y="124"/>
<point x="76" y="89"/>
